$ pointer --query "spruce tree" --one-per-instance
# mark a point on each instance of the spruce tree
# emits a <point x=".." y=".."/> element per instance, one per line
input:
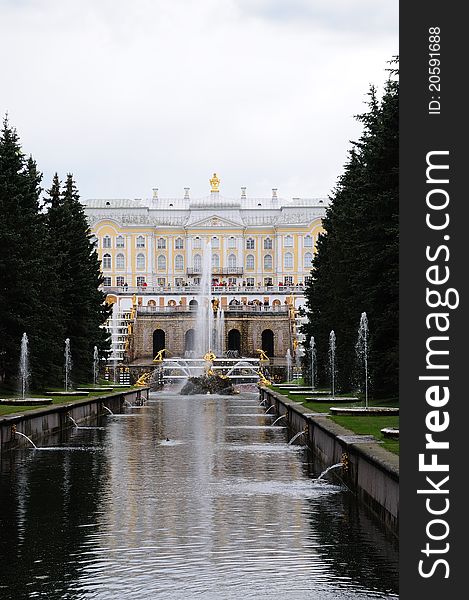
<point x="79" y="272"/>
<point x="26" y="267"/>
<point x="355" y="268"/>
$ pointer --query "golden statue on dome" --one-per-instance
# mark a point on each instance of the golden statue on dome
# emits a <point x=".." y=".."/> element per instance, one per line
<point x="215" y="183"/>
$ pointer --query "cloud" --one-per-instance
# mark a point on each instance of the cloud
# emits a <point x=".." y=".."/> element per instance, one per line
<point x="161" y="93"/>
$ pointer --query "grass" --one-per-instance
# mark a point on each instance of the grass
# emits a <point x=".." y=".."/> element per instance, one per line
<point x="362" y="425"/>
<point x="7" y="393"/>
<point x="371" y="425"/>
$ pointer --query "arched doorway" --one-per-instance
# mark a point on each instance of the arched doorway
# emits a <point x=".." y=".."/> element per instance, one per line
<point x="159" y="340"/>
<point x="193" y="304"/>
<point x="189" y="340"/>
<point x="234" y="340"/>
<point x="268" y="342"/>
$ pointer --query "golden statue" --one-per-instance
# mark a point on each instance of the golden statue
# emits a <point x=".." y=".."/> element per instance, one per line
<point x="143" y="379"/>
<point x="215" y="183"/>
<point x="134" y="299"/>
<point x="263" y="379"/>
<point x="159" y="355"/>
<point x="262" y="355"/>
<point x="210" y="356"/>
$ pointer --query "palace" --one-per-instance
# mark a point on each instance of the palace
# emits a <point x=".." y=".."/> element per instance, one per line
<point x="152" y="251"/>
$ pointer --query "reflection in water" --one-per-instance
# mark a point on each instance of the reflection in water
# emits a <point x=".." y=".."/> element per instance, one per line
<point x="225" y="509"/>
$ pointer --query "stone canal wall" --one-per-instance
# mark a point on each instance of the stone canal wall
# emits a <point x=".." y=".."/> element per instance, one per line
<point x="370" y="471"/>
<point x="41" y="422"/>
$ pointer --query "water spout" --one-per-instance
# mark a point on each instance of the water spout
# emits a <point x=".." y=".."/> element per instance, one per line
<point x="278" y="419"/>
<point x="295" y="437"/>
<point x="361" y="349"/>
<point x="270" y="407"/>
<point x="25" y="436"/>
<point x="329" y="469"/>
<point x="73" y="421"/>
<point x="108" y="409"/>
<point x="25" y="373"/>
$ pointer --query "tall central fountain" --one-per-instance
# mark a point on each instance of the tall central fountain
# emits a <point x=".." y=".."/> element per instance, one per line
<point x="204" y="318"/>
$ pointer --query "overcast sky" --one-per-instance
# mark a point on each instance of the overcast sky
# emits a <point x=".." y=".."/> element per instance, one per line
<point x="135" y="94"/>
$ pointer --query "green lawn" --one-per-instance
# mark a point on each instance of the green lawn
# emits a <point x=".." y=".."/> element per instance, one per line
<point x="362" y="425"/>
<point x="8" y="409"/>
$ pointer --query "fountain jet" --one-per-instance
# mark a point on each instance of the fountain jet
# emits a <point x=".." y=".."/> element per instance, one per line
<point x="25" y="373"/>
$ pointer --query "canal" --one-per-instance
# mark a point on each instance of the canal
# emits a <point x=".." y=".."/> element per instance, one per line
<point x="187" y="497"/>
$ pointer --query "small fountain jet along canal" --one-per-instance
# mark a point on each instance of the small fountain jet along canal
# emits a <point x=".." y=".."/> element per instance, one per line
<point x="15" y="432"/>
<point x="25" y="373"/>
<point x="361" y="349"/>
<point x="67" y="365"/>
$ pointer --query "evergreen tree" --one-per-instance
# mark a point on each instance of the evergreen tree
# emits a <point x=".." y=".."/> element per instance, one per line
<point x="26" y="268"/>
<point x="79" y="273"/>
<point x="355" y="268"/>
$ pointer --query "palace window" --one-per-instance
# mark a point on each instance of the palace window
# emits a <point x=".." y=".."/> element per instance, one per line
<point x="140" y="241"/>
<point x="268" y="281"/>
<point x="267" y="244"/>
<point x="308" y="260"/>
<point x="120" y="262"/>
<point x="178" y="281"/>
<point x="107" y="261"/>
<point x="161" y="244"/>
<point x="140" y="262"/>
<point x="107" y="281"/>
<point x="250" y="281"/>
<point x="120" y="241"/>
<point x="267" y="262"/>
<point x="197" y="263"/>
<point x="288" y="241"/>
<point x="215" y="242"/>
<point x="308" y="280"/>
<point x="197" y="242"/>
<point x="250" y="244"/>
<point x="120" y="281"/>
<point x="250" y="262"/>
<point x="232" y="261"/>
<point x="215" y="261"/>
<point x="288" y="260"/>
<point x="107" y="242"/>
<point x="288" y="280"/>
<point x="140" y="281"/>
<point x="179" y="244"/>
<point x="231" y="242"/>
<point x="161" y="262"/>
<point x="161" y="281"/>
<point x="179" y="262"/>
<point x="308" y="241"/>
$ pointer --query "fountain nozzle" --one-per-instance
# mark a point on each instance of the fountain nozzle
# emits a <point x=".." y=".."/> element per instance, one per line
<point x="344" y="461"/>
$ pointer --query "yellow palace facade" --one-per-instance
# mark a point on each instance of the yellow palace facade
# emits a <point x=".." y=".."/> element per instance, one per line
<point x="153" y="249"/>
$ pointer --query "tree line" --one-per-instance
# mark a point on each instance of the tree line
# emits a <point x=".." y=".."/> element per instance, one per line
<point x="355" y="268"/>
<point x="49" y="272"/>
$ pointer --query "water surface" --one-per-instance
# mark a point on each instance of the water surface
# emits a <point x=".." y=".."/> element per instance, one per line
<point x="223" y="510"/>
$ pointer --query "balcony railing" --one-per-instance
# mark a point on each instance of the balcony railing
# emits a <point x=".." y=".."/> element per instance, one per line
<point x="233" y="309"/>
<point x="217" y="271"/>
<point x="195" y="289"/>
